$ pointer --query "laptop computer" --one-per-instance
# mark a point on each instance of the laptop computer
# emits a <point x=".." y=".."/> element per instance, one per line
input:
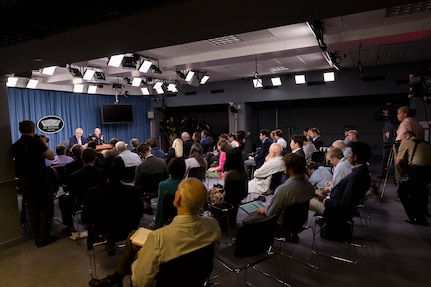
<point x="251" y="207"/>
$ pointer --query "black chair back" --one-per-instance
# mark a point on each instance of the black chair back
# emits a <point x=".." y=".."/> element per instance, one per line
<point x="129" y="174"/>
<point x="275" y="181"/>
<point x="150" y="184"/>
<point x="255" y="238"/>
<point x="295" y="217"/>
<point x="197" y="172"/>
<point x="192" y="269"/>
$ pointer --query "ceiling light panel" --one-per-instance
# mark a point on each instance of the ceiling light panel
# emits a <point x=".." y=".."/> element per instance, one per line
<point x="11" y="81"/>
<point x="115" y="61"/>
<point x="329" y="77"/>
<point x="88" y="74"/>
<point x="136" y="82"/>
<point x="32" y="84"/>
<point x="49" y="70"/>
<point x="276" y="81"/>
<point x="145" y="66"/>
<point x="300" y="79"/>
<point x="92" y="89"/>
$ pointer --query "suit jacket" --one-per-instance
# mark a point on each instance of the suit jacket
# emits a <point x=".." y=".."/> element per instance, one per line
<point x="73" y="140"/>
<point x="151" y="165"/>
<point x="347" y="193"/>
<point x="259" y="158"/>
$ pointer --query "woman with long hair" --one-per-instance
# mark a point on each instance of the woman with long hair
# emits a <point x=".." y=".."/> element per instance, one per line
<point x="222" y="147"/>
<point x="195" y="159"/>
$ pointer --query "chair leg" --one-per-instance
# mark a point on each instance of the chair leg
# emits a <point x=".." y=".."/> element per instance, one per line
<point x="93" y="263"/>
<point x="353" y="260"/>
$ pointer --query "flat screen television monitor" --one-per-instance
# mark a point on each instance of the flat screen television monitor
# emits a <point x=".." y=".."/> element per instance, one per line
<point x="117" y="113"/>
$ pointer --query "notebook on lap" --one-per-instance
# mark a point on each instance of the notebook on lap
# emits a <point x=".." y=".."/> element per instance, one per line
<point x="251" y="207"/>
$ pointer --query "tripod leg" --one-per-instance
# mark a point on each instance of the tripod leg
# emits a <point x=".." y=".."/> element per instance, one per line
<point x="389" y="166"/>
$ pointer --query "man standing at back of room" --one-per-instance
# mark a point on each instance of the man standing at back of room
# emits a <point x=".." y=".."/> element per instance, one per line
<point x="30" y="152"/>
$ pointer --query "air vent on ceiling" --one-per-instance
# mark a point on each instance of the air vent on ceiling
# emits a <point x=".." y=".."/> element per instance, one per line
<point x="408" y="9"/>
<point x="219" y="91"/>
<point x="225" y="40"/>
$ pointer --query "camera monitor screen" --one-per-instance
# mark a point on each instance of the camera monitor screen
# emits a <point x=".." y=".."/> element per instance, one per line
<point x="117" y="113"/>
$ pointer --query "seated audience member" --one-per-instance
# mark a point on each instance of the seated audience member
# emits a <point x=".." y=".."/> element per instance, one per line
<point x="99" y="156"/>
<point x="222" y="147"/>
<point x="150" y="166"/>
<point x="130" y="159"/>
<point x="262" y="176"/>
<point x="341" y="145"/>
<point x="80" y="182"/>
<point x="187" y="144"/>
<point x="235" y="180"/>
<point x="75" y="165"/>
<point x="165" y="208"/>
<point x="296" y="143"/>
<point x="296" y="189"/>
<point x="155" y="150"/>
<point x="176" y="150"/>
<point x="61" y="159"/>
<point x="308" y="149"/>
<point x="261" y="154"/>
<point x="111" y="152"/>
<point x="97" y="137"/>
<point x="188" y="230"/>
<point x="278" y="138"/>
<point x="341" y="168"/>
<point x="195" y="159"/>
<point x="414" y="158"/>
<point x="353" y="136"/>
<point x="341" y="204"/>
<point x="266" y="141"/>
<point x="134" y="142"/>
<point x="113" y="208"/>
<point x="314" y="136"/>
<point x="318" y="176"/>
<point x="233" y="142"/>
<point x="196" y="138"/>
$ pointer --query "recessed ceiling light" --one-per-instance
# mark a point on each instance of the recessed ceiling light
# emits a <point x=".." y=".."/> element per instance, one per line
<point x="299" y="79"/>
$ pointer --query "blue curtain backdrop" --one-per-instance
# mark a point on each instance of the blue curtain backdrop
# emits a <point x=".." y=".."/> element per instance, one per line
<point x="76" y="110"/>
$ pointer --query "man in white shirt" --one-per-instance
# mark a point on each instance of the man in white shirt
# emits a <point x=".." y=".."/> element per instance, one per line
<point x="262" y="176"/>
<point x="130" y="158"/>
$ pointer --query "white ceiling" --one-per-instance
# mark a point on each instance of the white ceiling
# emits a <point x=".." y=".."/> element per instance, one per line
<point x="370" y="37"/>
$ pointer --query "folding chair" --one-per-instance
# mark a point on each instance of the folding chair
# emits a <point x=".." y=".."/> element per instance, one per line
<point x="252" y="245"/>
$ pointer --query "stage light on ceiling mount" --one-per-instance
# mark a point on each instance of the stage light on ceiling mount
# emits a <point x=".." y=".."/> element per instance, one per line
<point x="145" y="91"/>
<point x="146" y="65"/>
<point x="257" y="83"/>
<point x="32" y="84"/>
<point x="88" y="74"/>
<point x="78" y="88"/>
<point x="329" y="77"/>
<point x="11" y="81"/>
<point x="276" y="81"/>
<point x="100" y="75"/>
<point x="49" y="70"/>
<point x="136" y="82"/>
<point x="172" y="88"/>
<point x="127" y="80"/>
<point x="92" y="89"/>
<point x="300" y="79"/>
<point x="155" y="69"/>
<point x="116" y="60"/>
<point x="204" y="79"/>
<point x="189" y="76"/>
<point x="181" y="74"/>
<point x="75" y="72"/>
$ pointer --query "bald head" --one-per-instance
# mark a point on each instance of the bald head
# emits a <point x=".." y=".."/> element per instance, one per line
<point x="190" y="196"/>
<point x="275" y="150"/>
<point x="340" y="144"/>
<point x="120" y="146"/>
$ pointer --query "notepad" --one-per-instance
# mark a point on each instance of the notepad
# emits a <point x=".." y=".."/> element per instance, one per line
<point x="251" y="207"/>
<point x="140" y="236"/>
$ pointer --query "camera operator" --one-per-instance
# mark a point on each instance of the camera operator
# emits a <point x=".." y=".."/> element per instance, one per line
<point x="30" y="152"/>
<point x="405" y="115"/>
